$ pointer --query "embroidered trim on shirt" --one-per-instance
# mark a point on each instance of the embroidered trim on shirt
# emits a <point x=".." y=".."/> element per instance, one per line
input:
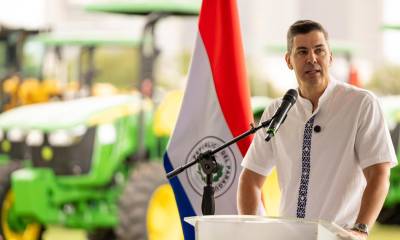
<point x="305" y="169"/>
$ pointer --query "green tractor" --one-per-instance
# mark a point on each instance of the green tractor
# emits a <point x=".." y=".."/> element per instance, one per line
<point x="390" y="213"/>
<point x="84" y="170"/>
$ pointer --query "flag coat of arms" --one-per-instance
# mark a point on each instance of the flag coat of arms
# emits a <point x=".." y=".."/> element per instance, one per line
<point x="215" y="108"/>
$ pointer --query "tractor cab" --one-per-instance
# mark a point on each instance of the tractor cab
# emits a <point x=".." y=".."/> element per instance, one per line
<point x="82" y="83"/>
<point x="13" y="68"/>
<point x="154" y="11"/>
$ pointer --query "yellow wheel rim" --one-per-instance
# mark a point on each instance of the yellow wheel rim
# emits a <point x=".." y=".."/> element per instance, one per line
<point x="163" y="222"/>
<point x="271" y="194"/>
<point x="31" y="232"/>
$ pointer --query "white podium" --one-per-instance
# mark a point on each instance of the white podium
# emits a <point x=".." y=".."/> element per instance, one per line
<point x="234" y="227"/>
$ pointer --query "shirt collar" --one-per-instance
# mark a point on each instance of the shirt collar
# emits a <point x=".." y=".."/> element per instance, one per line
<point x="307" y="105"/>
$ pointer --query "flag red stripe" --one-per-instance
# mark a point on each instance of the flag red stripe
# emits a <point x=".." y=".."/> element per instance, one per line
<point x="220" y="31"/>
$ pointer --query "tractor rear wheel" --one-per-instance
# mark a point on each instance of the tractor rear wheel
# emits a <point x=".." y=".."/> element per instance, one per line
<point x="11" y="227"/>
<point x="147" y="208"/>
<point x="101" y="234"/>
<point x="390" y="215"/>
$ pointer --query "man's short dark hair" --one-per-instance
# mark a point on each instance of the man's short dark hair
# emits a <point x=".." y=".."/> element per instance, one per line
<point x="303" y="27"/>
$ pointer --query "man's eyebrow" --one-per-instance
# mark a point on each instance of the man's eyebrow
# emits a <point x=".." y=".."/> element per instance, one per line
<point x="316" y="46"/>
<point x="319" y="45"/>
<point x="301" y="48"/>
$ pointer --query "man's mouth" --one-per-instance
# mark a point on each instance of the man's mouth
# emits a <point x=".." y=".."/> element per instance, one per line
<point x="313" y="71"/>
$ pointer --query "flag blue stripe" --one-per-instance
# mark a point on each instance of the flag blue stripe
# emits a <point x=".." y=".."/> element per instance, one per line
<point x="184" y="206"/>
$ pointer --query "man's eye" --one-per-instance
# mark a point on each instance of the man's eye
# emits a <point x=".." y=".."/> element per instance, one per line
<point x="319" y="51"/>
<point x="302" y="52"/>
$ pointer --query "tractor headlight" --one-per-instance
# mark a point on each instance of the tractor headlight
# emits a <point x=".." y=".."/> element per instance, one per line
<point x="61" y="138"/>
<point x="35" y="138"/>
<point x="79" y="131"/>
<point x="107" y="134"/>
<point x="15" y="135"/>
<point x="67" y="137"/>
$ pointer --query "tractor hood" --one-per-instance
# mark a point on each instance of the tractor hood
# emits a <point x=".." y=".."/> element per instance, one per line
<point x="86" y="112"/>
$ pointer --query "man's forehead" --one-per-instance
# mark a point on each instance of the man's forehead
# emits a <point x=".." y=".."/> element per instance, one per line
<point x="310" y="40"/>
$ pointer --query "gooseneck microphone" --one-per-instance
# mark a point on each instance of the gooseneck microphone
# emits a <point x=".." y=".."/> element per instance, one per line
<point x="280" y="115"/>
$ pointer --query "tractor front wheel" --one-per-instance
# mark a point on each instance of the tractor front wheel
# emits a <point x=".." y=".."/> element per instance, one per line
<point x="147" y="207"/>
<point x="12" y="228"/>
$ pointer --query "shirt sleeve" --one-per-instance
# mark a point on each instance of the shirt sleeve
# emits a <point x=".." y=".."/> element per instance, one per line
<point x="260" y="156"/>
<point x="373" y="142"/>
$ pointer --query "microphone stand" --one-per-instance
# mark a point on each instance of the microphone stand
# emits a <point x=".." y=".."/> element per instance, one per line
<point x="209" y="166"/>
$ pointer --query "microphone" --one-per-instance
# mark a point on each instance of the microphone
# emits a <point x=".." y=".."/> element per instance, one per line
<point x="280" y="115"/>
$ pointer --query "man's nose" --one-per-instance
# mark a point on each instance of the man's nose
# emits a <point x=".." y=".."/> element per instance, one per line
<point x="311" y="57"/>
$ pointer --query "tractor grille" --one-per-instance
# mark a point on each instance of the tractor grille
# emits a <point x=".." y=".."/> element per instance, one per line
<point x="66" y="160"/>
<point x="15" y="150"/>
<point x="18" y="150"/>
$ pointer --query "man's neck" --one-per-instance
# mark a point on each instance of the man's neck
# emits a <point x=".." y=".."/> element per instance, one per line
<point x="313" y="93"/>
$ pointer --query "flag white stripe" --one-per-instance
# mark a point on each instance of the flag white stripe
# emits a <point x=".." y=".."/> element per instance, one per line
<point x="201" y="116"/>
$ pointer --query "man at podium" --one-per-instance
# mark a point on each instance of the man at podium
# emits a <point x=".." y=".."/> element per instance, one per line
<point x="333" y="153"/>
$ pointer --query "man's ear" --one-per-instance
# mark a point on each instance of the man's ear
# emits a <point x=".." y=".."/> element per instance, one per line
<point x="287" y="59"/>
<point x="330" y="59"/>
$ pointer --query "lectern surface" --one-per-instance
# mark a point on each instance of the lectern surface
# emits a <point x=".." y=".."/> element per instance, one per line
<point x="260" y="228"/>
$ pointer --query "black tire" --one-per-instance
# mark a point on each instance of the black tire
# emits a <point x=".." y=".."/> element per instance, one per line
<point x="101" y="234"/>
<point x="5" y="172"/>
<point x="5" y="181"/>
<point x="133" y="204"/>
<point x="390" y="216"/>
